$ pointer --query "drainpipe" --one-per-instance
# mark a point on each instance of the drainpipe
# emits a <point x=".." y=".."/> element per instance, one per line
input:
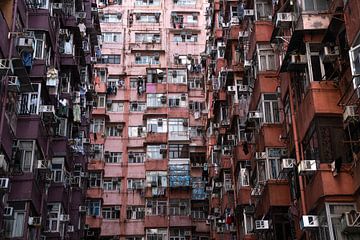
<point x="5" y="81"/>
<point x="297" y="150"/>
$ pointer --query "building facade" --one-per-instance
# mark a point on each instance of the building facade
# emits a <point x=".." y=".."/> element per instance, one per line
<point x="283" y="92"/>
<point x="46" y="52"/>
<point x="146" y="174"/>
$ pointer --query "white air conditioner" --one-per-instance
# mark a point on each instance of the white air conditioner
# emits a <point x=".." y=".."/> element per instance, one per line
<point x="42" y="164"/>
<point x="247" y="63"/>
<point x="64" y="217"/>
<point x="249" y="12"/>
<point x="217" y="148"/>
<point x="330" y="54"/>
<point x="80" y="15"/>
<point x="86" y="141"/>
<point x="216" y="210"/>
<point x="8" y="212"/>
<point x="307" y="167"/>
<point x="94" y="9"/>
<point x="13" y="84"/>
<point x="287" y="164"/>
<point x="219" y="229"/>
<point x="82" y="209"/>
<point x="47" y="109"/>
<point x="93" y="60"/>
<point x="309" y="221"/>
<point x="3" y="163"/>
<point x="34" y="221"/>
<point x="218" y="184"/>
<point x="298" y="59"/>
<point x="26" y="43"/>
<point x="256" y="191"/>
<point x="231" y="137"/>
<point x="187" y="233"/>
<point x="254" y="115"/>
<point x="231" y="89"/>
<point x="261" y="224"/>
<point x="57" y="6"/>
<point x="216" y="125"/>
<point x="117" y="208"/>
<point x="243" y="34"/>
<point x="243" y="88"/>
<point x="260" y="155"/>
<point x="4" y="183"/>
<point x="70" y="228"/>
<point x="284" y="19"/>
<point x="350" y="112"/>
<point x="350" y="222"/>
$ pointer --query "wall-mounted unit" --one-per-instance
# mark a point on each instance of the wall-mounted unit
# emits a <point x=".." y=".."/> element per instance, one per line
<point x="306" y="167"/>
<point x="287" y="164"/>
<point x="284" y="19"/>
<point x="297" y="62"/>
<point x="309" y="221"/>
<point x="261" y="225"/>
<point x="350" y="113"/>
<point x="330" y="54"/>
<point x="350" y="222"/>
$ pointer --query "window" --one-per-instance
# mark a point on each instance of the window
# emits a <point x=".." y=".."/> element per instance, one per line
<point x="14" y="227"/>
<point x="137" y="131"/>
<point x="111" y="37"/>
<point x="195" y="84"/>
<point x="57" y="169"/>
<point x="137" y="106"/>
<point x="274" y="155"/>
<point x="40" y="40"/>
<point x="156" y="234"/>
<point x="113" y="17"/>
<point x="26" y="155"/>
<point x="116" y="107"/>
<point x="114" y="131"/>
<point x="197" y="106"/>
<point x="111" y="184"/>
<point x="135" y="183"/>
<point x="111" y="212"/>
<point x="95" y="179"/>
<point x="244" y="177"/>
<point x="186" y="2"/>
<point x="110" y="59"/>
<point x="266" y="58"/>
<point x="114" y="157"/>
<point x="177" y="234"/>
<point x="156" y="207"/>
<point x="146" y="59"/>
<point x="155" y="100"/>
<point x="98" y="125"/>
<point x="43" y="4"/>
<point x="178" y="129"/>
<point x="263" y="10"/>
<point x="94" y="208"/>
<point x="177" y="76"/>
<point x="156" y="125"/>
<point x="315" y="5"/>
<point x="316" y="69"/>
<point x="156" y="179"/>
<point x="135" y="212"/>
<point x="179" y="208"/>
<point x="136" y="157"/>
<point x="53" y="219"/>
<point x="147" y="18"/>
<point x="192" y="19"/>
<point x="102" y="74"/>
<point x="179" y="100"/>
<point x="100" y="101"/>
<point x="270" y="108"/>
<point x="29" y="101"/>
<point x="198" y="213"/>
<point x="185" y="37"/>
<point x="134" y="238"/>
<point x="147" y="38"/>
<point x="177" y="151"/>
<point x="156" y="151"/>
<point x="147" y="2"/>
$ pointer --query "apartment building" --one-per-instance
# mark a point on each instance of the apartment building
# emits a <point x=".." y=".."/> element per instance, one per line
<point x="283" y="131"/>
<point x="148" y="171"/>
<point x="46" y="52"/>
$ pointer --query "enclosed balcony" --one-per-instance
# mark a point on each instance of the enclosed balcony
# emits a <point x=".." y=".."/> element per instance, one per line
<point x="156" y="221"/>
<point x="94" y="221"/>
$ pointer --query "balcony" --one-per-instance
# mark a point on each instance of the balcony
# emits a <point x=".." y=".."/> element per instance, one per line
<point x="134" y="228"/>
<point x="95" y="193"/>
<point x="110" y="227"/>
<point x="225" y="161"/>
<point x="240" y="154"/>
<point x="40" y="20"/>
<point x="179" y="136"/>
<point x="352" y="20"/>
<point x="58" y="193"/>
<point x="276" y="193"/>
<point x="156" y="165"/>
<point x="243" y="195"/>
<point x="177" y="88"/>
<point x="321" y="98"/>
<point x="201" y="226"/>
<point x="94" y="222"/>
<point x="324" y="186"/>
<point x="101" y="87"/>
<point x="96" y="165"/>
<point x="156" y="88"/>
<point x="156" y="221"/>
<point x="269" y="136"/>
<point x="156" y="137"/>
<point x="178" y="112"/>
<point x="147" y="46"/>
<point x="180" y="221"/>
<point x="159" y="111"/>
<point x="310" y="21"/>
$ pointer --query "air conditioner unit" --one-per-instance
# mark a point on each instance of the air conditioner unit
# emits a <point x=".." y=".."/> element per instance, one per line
<point x="86" y="227"/>
<point x="247" y="63"/>
<point x="93" y="60"/>
<point x="4" y="183"/>
<point x="231" y="137"/>
<point x="216" y="125"/>
<point x="208" y="189"/>
<point x="248" y="12"/>
<point x="243" y="88"/>
<point x="309" y="221"/>
<point x="25" y="43"/>
<point x="70" y="228"/>
<point x="42" y="164"/>
<point x="350" y="113"/>
<point x="219" y="229"/>
<point x="34" y="221"/>
<point x="261" y="224"/>
<point x="117" y="208"/>
<point x="86" y="141"/>
<point x="256" y="191"/>
<point x="350" y="222"/>
<point x="307" y="167"/>
<point x="82" y="209"/>
<point x="260" y="155"/>
<point x="13" y="84"/>
<point x="221" y="44"/>
<point x="3" y="163"/>
<point x="94" y="9"/>
<point x="218" y="184"/>
<point x="243" y="34"/>
<point x="284" y="20"/>
<point x="216" y="210"/>
<point x="64" y="217"/>
<point x="254" y="115"/>
<point x="287" y="164"/>
<point x="80" y="15"/>
<point x="217" y="148"/>
<point x="47" y="109"/>
<point x="187" y="233"/>
<point x="330" y="54"/>
<point x="8" y="212"/>
<point x="90" y="233"/>
<point x="57" y="6"/>
<point x="231" y="89"/>
<point x="6" y="67"/>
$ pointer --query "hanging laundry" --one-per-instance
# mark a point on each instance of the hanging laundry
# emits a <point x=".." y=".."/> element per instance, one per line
<point x="77" y="113"/>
